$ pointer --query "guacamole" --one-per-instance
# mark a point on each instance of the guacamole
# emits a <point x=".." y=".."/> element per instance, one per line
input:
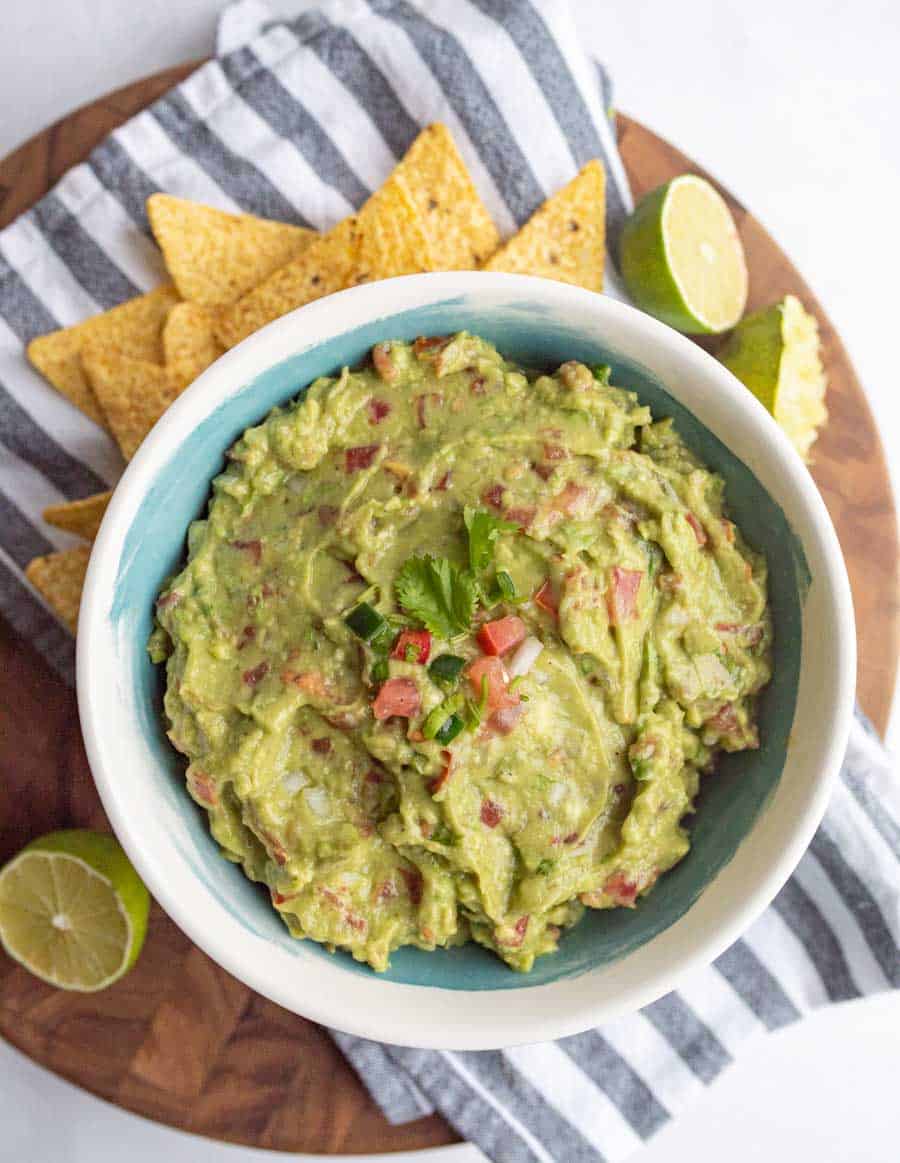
<point x="453" y="647"/>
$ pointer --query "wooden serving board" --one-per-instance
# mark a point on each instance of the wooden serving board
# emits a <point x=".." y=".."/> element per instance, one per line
<point x="181" y="1041"/>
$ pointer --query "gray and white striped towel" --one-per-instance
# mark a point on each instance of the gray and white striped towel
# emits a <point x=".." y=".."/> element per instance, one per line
<point x="300" y="120"/>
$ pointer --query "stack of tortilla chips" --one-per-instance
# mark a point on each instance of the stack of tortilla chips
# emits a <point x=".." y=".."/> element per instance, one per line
<point x="234" y="273"/>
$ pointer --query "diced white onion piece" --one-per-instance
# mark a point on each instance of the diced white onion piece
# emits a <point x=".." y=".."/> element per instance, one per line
<point x="318" y="801"/>
<point x="525" y="657"/>
<point x="293" y="781"/>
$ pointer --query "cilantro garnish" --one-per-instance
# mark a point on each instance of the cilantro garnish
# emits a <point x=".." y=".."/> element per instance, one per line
<point x="438" y="594"/>
<point x="483" y="529"/>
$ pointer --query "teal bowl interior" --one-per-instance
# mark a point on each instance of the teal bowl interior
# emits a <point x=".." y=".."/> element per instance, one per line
<point x="729" y="801"/>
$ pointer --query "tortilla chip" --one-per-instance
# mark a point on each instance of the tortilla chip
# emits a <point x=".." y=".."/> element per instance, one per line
<point x="215" y="257"/>
<point x="189" y="342"/>
<point x="385" y="239"/>
<point x="59" y="578"/>
<point x="80" y="517"/>
<point x="565" y="238"/>
<point x="132" y="392"/>
<point x="133" y="329"/>
<point x="460" y="229"/>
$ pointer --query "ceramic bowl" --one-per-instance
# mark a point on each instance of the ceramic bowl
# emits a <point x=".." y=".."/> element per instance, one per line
<point x="754" y="817"/>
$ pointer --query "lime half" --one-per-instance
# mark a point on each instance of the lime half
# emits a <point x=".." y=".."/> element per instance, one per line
<point x="682" y="259"/>
<point x="73" y="910"/>
<point x="775" y="352"/>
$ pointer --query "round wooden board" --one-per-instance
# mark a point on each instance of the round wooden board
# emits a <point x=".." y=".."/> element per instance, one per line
<point x="179" y="1040"/>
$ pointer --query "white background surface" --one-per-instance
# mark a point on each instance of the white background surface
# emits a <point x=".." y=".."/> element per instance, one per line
<point x="794" y="105"/>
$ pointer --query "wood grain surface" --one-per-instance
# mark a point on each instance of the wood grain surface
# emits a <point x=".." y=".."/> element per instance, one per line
<point x="181" y="1041"/>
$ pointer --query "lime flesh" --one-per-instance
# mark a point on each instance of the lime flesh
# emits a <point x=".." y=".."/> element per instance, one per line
<point x="775" y="353"/>
<point x="682" y="259"/>
<point x="72" y="910"/>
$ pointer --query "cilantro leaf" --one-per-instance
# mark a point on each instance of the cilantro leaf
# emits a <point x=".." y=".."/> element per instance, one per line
<point x="438" y="594"/>
<point x="483" y="529"/>
<point x="602" y="373"/>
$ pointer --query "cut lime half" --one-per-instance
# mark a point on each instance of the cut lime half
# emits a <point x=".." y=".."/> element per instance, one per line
<point x="682" y="259"/>
<point x="775" y="353"/>
<point x="73" y="911"/>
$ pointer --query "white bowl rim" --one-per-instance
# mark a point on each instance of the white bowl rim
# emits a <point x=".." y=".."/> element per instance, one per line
<point x="423" y="1016"/>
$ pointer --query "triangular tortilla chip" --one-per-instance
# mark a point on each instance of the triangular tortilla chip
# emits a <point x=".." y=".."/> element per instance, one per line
<point x="385" y="239"/>
<point x="133" y="329"/>
<point x="565" y="238"/>
<point x="460" y="229"/>
<point x="215" y="257"/>
<point x="80" y="517"/>
<point x="189" y="342"/>
<point x="59" y="578"/>
<point x="132" y="392"/>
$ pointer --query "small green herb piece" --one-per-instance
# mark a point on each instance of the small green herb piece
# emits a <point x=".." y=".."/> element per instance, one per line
<point x="443" y="835"/>
<point x="411" y="653"/>
<point x="483" y="529"/>
<point x="446" y="669"/>
<point x="365" y="622"/>
<point x="450" y="729"/>
<point x="586" y="663"/>
<point x="438" y="594"/>
<point x="602" y="373"/>
<point x="545" y="867"/>
<point x="440" y="715"/>
<point x="505" y="586"/>
<point x="379" y="670"/>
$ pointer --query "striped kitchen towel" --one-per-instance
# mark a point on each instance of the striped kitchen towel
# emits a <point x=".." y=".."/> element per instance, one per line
<point x="300" y="120"/>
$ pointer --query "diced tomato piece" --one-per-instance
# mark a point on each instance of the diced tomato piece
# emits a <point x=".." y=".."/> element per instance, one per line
<point x="170" y="599"/>
<point x="418" y="640"/>
<point x="699" y="531"/>
<point x="327" y="514"/>
<point x="493" y="495"/>
<point x="544" y="471"/>
<point x="429" y="344"/>
<point x="435" y="785"/>
<point x="546" y="599"/>
<point x="378" y="409"/>
<point x="414" y="884"/>
<point x="512" y="938"/>
<point x="522" y="515"/>
<point x="202" y="787"/>
<point x="555" y="452"/>
<point x="491" y="813"/>
<point x="256" y="674"/>
<point x="501" y="635"/>
<point x="386" y="891"/>
<point x="444" y="483"/>
<point x="311" y="682"/>
<point x="498" y="693"/>
<point x="398" y="696"/>
<point x="360" y="457"/>
<point x="252" y="548"/>
<point x="621" y="598"/>
<point x="321" y="746"/>
<point x="506" y="718"/>
<point x="571" y="499"/>
<point x="373" y="775"/>
<point x="622" y="890"/>
<point x="476" y="387"/>
<point x="383" y="359"/>
<point x="246" y="636"/>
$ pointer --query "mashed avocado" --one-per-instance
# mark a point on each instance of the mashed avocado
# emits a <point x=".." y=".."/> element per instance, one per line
<point x="453" y="647"/>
